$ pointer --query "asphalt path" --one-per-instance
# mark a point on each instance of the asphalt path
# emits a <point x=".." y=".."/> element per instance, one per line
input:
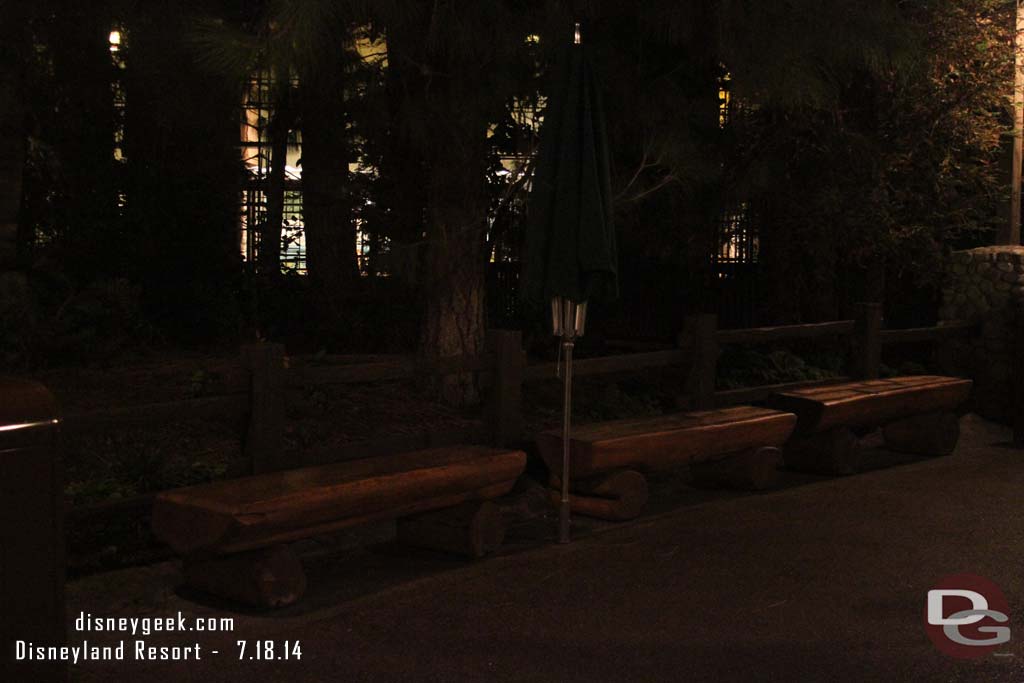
<point x="826" y="581"/>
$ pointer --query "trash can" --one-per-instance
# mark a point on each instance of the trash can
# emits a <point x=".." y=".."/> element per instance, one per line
<point x="31" y="531"/>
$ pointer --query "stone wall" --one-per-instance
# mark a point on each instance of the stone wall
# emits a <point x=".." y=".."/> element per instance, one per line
<point x="986" y="286"/>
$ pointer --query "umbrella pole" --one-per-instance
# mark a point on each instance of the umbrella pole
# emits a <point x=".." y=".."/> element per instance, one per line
<point x="563" y="509"/>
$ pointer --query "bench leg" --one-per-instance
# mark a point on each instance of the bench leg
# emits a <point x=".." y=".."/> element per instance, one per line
<point x="616" y="496"/>
<point x="756" y="469"/>
<point x="473" y="529"/>
<point x="267" y="577"/>
<point x="932" y="434"/>
<point x="528" y="501"/>
<point x="834" y="452"/>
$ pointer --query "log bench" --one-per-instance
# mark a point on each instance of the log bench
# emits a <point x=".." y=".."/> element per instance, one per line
<point x="916" y="414"/>
<point x="737" y="447"/>
<point x="232" y="533"/>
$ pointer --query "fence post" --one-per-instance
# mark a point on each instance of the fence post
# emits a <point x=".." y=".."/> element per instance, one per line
<point x="31" y="530"/>
<point x="868" y="353"/>
<point x="505" y="409"/>
<point x="699" y="338"/>
<point x="263" y="445"/>
<point x="1018" y="378"/>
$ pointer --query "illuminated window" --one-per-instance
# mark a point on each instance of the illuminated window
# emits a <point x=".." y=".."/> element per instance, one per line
<point x="738" y="242"/>
<point x="724" y="100"/>
<point x="257" y="112"/>
<point x="117" y="57"/>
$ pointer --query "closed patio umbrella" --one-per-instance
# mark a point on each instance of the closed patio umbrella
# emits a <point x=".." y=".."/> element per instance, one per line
<point x="570" y="253"/>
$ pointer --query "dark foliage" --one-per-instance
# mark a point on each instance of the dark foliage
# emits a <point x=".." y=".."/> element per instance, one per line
<point x="864" y="141"/>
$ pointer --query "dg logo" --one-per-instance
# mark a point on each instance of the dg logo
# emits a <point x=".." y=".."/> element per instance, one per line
<point x="966" y="616"/>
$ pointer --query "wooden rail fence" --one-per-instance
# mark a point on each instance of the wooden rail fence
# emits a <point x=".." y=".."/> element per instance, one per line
<point x="255" y="395"/>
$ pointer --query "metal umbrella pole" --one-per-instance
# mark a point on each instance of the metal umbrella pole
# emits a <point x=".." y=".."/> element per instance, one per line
<point x="569" y="320"/>
<point x="564" y="507"/>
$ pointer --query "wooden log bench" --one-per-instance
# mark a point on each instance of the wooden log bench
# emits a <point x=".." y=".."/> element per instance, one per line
<point x="233" y="534"/>
<point x="916" y="414"/>
<point x="737" y="447"/>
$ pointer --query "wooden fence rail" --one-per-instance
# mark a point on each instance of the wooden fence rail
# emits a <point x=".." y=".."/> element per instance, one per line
<point x="607" y="365"/>
<point x="952" y="330"/>
<point x="257" y="395"/>
<point x="765" y="335"/>
<point x="211" y="407"/>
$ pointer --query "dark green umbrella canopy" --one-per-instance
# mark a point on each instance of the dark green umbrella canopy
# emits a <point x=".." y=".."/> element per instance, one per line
<point x="570" y="238"/>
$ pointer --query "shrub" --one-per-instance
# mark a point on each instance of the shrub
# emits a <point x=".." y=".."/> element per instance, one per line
<point x="45" y="322"/>
<point x="752" y="367"/>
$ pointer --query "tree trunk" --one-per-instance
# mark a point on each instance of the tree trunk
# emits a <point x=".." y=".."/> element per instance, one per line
<point x="402" y="167"/>
<point x="453" y="322"/>
<point x="326" y="196"/>
<point x="12" y="129"/>
<point x="269" y="255"/>
<point x="822" y="259"/>
<point x="447" y="102"/>
<point x="779" y="303"/>
<point x="183" y="179"/>
<point x="82" y="135"/>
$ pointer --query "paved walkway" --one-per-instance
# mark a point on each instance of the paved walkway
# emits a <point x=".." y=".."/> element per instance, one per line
<point x="822" y="582"/>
